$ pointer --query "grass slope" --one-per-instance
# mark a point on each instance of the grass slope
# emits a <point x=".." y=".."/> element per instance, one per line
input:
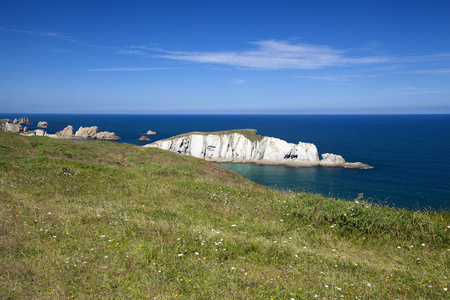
<point x="90" y="220"/>
<point x="248" y="133"/>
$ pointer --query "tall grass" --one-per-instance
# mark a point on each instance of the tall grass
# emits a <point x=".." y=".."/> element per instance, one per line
<point x="84" y="219"/>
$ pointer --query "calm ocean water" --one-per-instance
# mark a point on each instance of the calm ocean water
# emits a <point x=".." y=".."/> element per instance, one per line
<point x="410" y="153"/>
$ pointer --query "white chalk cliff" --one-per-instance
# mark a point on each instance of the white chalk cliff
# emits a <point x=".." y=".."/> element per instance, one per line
<point x="234" y="147"/>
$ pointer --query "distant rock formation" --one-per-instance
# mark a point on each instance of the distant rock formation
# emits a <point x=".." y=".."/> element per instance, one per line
<point x="66" y="133"/>
<point x="11" y="127"/>
<point x="106" y="135"/>
<point x="232" y="146"/>
<point x="42" y="124"/>
<point x="332" y="160"/>
<point x="150" y="132"/>
<point x="22" y="121"/>
<point x="86" y="133"/>
<point x="143" y="139"/>
<point x="15" y="125"/>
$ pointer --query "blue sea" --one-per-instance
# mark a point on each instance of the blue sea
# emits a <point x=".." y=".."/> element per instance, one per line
<point x="410" y="153"/>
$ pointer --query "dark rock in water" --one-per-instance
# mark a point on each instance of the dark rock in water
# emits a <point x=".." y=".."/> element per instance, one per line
<point x="144" y="139"/>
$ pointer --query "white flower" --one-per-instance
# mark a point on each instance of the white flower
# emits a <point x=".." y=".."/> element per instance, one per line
<point x="368" y="284"/>
<point x="181" y="254"/>
<point x="233" y="225"/>
<point x="102" y="236"/>
<point x="196" y="253"/>
<point x="232" y="268"/>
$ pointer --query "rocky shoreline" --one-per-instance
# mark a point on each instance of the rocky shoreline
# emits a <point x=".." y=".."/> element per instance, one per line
<point x="66" y="133"/>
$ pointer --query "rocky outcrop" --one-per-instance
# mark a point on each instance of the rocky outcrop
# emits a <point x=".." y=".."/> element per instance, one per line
<point x="66" y="133"/>
<point x="332" y="160"/>
<point x="150" y="132"/>
<point x="11" y="127"/>
<point x="42" y="124"/>
<point x="106" y="135"/>
<point x="86" y="133"/>
<point x="22" y="121"/>
<point x="143" y="139"/>
<point x="39" y="132"/>
<point x="235" y="147"/>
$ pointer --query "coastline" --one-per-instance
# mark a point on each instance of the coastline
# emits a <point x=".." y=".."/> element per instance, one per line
<point x="347" y="165"/>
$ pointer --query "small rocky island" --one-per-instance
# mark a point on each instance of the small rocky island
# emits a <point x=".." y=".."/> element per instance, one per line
<point x="245" y="146"/>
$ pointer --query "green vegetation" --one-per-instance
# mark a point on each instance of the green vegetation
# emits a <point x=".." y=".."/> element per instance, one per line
<point x="102" y="220"/>
<point x="248" y="133"/>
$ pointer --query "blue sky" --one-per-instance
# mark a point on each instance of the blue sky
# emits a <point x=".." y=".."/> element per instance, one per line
<point x="330" y="57"/>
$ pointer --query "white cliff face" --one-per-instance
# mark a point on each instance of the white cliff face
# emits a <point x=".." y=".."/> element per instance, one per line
<point x="235" y="147"/>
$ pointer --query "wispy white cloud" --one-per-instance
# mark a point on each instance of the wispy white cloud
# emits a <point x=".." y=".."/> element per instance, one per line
<point x="272" y="55"/>
<point x="236" y="81"/>
<point x="340" y="78"/>
<point x="432" y="71"/>
<point x="48" y="34"/>
<point x="128" y="69"/>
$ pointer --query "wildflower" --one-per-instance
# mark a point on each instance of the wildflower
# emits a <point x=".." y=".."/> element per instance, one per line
<point x="368" y="284"/>
<point x="399" y="247"/>
<point x="181" y="254"/>
<point x="423" y="244"/>
<point x="233" y="225"/>
<point x="196" y="253"/>
<point x="102" y="236"/>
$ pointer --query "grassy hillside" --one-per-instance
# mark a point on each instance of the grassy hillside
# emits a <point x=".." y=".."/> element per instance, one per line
<point x="102" y="220"/>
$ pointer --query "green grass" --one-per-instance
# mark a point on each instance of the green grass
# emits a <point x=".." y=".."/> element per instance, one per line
<point x="248" y="133"/>
<point x="90" y="220"/>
